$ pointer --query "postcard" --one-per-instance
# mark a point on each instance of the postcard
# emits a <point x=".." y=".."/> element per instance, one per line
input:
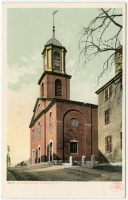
<point x="63" y="100"/>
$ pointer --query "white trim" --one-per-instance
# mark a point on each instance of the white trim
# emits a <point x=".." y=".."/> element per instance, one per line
<point x="50" y="141"/>
<point x="60" y="121"/>
<point x="88" y="124"/>
<point x="74" y="141"/>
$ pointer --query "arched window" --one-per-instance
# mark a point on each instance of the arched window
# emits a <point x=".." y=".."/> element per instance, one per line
<point x="58" y="88"/>
<point x="38" y="108"/>
<point x="33" y="136"/>
<point x="56" y="55"/>
<point x="50" y="122"/>
<point x="39" y="131"/>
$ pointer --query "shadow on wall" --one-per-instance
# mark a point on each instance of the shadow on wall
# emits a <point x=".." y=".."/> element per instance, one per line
<point x="102" y="158"/>
<point x="116" y="156"/>
<point x="50" y="155"/>
<point x="39" y="160"/>
<point x="105" y="165"/>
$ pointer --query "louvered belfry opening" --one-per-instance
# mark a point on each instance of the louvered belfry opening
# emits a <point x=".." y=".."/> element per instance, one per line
<point x="58" y="88"/>
<point x="57" y="55"/>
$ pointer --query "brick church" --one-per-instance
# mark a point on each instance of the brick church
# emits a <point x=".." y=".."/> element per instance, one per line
<point x="60" y="127"/>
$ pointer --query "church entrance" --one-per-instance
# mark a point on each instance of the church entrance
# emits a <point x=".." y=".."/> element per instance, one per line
<point x="38" y="155"/>
<point x="50" y="151"/>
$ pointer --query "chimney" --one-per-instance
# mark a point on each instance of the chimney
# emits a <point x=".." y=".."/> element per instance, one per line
<point x="118" y="60"/>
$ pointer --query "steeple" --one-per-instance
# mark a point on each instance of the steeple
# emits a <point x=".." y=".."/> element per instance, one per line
<point x="54" y="82"/>
<point x="53" y="23"/>
<point x="54" y="54"/>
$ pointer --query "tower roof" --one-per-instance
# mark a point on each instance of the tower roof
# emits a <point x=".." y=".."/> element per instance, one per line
<point x="53" y="41"/>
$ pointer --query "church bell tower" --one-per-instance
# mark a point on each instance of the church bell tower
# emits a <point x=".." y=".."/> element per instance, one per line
<point x="53" y="56"/>
<point x="54" y="82"/>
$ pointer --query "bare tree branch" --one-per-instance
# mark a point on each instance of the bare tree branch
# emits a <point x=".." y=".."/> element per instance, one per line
<point x="103" y="34"/>
<point x="111" y="18"/>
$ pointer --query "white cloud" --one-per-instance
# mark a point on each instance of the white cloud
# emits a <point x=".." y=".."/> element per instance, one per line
<point x="25" y="66"/>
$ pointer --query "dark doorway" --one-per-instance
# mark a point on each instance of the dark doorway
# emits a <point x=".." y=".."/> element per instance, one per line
<point x="50" y="151"/>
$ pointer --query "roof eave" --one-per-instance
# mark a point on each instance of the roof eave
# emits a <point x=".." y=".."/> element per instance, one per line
<point x="108" y="83"/>
<point x="53" y="73"/>
<point x="61" y="101"/>
<point x="61" y="47"/>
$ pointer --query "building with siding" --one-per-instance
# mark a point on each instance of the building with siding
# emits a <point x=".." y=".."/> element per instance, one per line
<point x="59" y="127"/>
<point x="110" y="116"/>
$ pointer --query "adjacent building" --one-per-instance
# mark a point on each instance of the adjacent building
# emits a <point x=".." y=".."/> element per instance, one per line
<point x="60" y="127"/>
<point x="110" y="116"/>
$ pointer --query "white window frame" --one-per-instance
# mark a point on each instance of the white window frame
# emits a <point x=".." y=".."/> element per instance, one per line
<point x="109" y="92"/>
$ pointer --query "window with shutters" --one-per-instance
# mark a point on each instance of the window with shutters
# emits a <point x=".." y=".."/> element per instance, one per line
<point x="108" y="92"/>
<point x="39" y="131"/>
<point x="121" y="140"/>
<point x="108" y="144"/>
<point x="33" y="136"/>
<point x="50" y="122"/>
<point x="74" y="147"/>
<point x="107" y="116"/>
<point x="58" y="88"/>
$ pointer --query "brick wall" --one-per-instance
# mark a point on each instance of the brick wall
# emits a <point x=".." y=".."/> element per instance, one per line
<point x="49" y="86"/>
<point x="80" y="133"/>
<point x="84" y="133"/>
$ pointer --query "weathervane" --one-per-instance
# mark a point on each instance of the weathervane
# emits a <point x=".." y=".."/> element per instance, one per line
<point x="55" y="11"/>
